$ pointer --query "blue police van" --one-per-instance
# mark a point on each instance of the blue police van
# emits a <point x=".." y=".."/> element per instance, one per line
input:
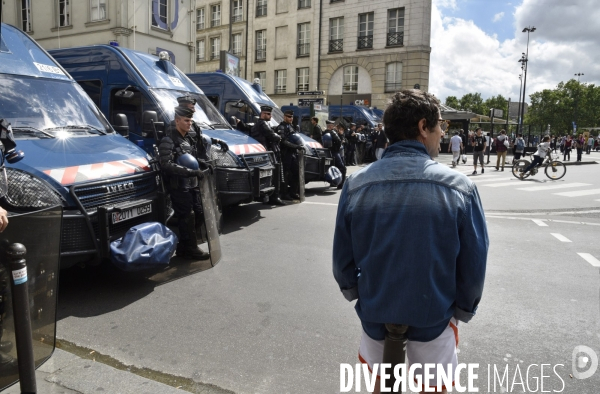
<point x="234" y="96"/>
<point x="145" y="88"/>
<point x="73" y="157"/>
<point x="358" y="114"/>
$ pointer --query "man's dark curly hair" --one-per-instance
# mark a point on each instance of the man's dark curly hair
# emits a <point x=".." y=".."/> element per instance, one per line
<point x="408" y="107"/>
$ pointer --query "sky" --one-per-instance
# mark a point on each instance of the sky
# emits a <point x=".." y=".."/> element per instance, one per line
<point x="476" y="45"/>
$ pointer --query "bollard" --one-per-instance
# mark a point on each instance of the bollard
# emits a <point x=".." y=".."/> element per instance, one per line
<point x="394" y="348"/>
<point x="20" y="296"/>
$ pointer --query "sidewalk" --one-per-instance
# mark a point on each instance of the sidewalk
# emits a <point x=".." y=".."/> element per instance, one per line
<point x="65" y="373"/>
<point x="593" y="158"/>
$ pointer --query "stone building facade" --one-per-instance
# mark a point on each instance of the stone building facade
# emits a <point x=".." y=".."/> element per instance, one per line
<point x="145" y="25"/>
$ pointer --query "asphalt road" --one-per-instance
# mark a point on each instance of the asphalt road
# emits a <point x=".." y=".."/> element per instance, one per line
<point x="270" y="318"/>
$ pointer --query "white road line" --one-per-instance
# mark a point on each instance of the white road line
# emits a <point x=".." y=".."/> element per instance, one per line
<point x="539" y="222"/>
<point x="590" y="259"/>
<point x="546" y="220"/>
<point x="560" y="237"/>
<point x="512" y="183"/>
<point x="553" y="186"/>
<point x="579" y="193"/>
<point x="320" y="203"/>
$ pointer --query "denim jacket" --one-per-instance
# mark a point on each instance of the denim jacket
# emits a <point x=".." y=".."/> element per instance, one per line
<point x="410" y="243"/>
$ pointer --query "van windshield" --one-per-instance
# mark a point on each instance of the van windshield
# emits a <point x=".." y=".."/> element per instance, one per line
<point x="48" y="107"/>
<point x="206" y="115"/>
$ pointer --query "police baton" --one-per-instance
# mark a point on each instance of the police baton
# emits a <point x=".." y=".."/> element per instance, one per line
<point x="394" y="349"/>
<point x="22" y="317"/>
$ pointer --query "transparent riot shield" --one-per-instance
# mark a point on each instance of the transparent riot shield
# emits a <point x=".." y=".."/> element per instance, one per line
<point x="212" y="215"/>
<point x="40" y="233"/>
<point x="301" y="182"/>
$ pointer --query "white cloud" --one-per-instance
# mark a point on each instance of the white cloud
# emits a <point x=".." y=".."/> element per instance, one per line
<point x="498" y="17"/>
<point x="445" y="4"/>
<point x="464" y="59"/>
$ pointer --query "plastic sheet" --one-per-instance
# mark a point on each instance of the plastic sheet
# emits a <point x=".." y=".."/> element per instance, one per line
<point x="145" y="246"/>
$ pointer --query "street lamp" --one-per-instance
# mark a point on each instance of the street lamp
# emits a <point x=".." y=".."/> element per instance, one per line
<point x="576" y="102"/>
<point x="579" y="75"/>
<point x="524" y="60"/>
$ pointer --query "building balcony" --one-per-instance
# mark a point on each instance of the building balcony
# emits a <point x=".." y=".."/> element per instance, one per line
<point x="336" y="45"/>
<point x="365" y="42"/>
<point x="394" y="39"/>
<point x="280" y="89"/>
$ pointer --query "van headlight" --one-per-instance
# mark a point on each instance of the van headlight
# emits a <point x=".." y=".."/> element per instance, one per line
<point x="223" y="159"/>
<point x="26" y="192"/>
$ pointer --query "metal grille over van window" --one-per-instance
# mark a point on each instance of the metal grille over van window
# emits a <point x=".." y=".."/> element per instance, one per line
<point x="26" y="192"/>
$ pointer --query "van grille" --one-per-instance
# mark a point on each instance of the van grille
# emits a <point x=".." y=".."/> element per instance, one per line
<point x="110" y="193"/>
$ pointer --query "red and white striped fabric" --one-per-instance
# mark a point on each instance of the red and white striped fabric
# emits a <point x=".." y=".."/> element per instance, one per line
<point x="314" y="144"/>
<point x="89" y="172"/>
<point x="247" y="148"/>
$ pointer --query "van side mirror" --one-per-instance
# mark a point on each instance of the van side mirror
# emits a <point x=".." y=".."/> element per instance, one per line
<point x="124" y="93"/>
<point x="121" y="125"/>
<point x="151" y="127"/>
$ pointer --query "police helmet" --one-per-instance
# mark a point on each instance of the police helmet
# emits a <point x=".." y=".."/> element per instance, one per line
<point x="333" y="176"/>
<point x="296" y="139"/>
<point x="362" y="138"/>
<point x="327" y="141"/>
<point x="188" y="161"/>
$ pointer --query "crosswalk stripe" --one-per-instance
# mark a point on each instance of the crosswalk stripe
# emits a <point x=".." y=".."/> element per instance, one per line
<point x="560" y="237"/>
<point x="579" y="193"/>
<point x="512" y="183"/>
<point x="590" y="259"/>
<point x="539" y="222"/>
<point x="553" y="186"/>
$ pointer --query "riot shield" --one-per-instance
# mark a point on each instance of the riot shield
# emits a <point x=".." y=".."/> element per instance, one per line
<point x="40" y="233"/>
<point x="301" y="182"/>
<point x="212" y="215"/>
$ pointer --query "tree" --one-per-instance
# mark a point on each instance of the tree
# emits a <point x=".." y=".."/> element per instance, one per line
<point x="452" y="102"/>
<point x="496" y="102"/>
<point x="472" y="102"/>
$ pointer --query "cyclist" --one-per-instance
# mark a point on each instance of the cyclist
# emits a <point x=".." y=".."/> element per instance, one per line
<point x="538" y="156"/>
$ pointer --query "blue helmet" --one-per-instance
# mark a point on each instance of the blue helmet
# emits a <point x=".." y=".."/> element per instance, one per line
<point x="333" y="176"/>
<point x="296" y="139"/>
<point x="327" y="141"/>
<point x="188" y="161"/>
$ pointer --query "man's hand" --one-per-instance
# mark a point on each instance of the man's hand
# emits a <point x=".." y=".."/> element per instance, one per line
<point x="198" y="173"/>
<point x="3" y="219"/>
<point x="222" y="144"/>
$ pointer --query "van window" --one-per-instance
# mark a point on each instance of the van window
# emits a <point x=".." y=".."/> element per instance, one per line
<point x="245" y="113"/>
<point x="214" y="100"/>
<point x="93" y="89"/>
<point x="133" y="108"/>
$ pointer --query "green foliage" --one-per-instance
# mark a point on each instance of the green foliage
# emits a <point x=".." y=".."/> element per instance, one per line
<point x="474" y="103"/>
<point x="452" y="102"/>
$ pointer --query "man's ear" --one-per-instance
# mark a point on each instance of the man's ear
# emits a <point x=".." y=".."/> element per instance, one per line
<point x="423" y="128"/>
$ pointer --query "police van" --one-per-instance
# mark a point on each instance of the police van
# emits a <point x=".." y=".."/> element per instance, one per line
<point x="234" y="96"/>
<point x="73" y="157"/>
<point x="358" y="114"/>
<point x="145" y="88"/>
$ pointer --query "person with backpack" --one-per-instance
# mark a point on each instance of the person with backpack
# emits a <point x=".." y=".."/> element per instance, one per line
<point x="567" y="152"/>
<point x="502" y="145"/>
<point x="478" y="143"/>
<point x="519" y="147"/>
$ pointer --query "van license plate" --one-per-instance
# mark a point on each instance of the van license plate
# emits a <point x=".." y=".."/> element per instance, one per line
<point x="118" y="217"/>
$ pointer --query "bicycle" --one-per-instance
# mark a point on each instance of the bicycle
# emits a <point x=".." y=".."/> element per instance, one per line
<point x="554" y="168"/>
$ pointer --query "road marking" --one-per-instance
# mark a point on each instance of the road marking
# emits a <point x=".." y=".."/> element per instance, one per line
<point x="546" y="220"/>
<point x="560" y="237"/>
<point x="539" y="222"/>
<point x="478" y="177"/>
<point x="320" y="203"/>
<point x="590" y="259"/>
<point x="511" y="183"/>
<point x="579" y="193"/>
<point x="555" y="186"/>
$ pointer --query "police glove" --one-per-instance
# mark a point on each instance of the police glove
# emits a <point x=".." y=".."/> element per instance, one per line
<point x="221" y="143"/>
<point x="198" y="173"/>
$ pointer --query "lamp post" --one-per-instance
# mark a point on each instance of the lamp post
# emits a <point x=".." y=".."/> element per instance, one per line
<point x="519" y="106"/>
<point x="525" y="60"/>
<point x="576" y="102"/>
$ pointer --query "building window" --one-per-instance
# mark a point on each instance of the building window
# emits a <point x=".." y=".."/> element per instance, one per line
<point x="350" y="79"/>
<point x="26" y="15"/>
<point x="64" y="13"/>
<point x="303" y="4"/>
<point x="262" y="76"/>
<point x="200" y="50"/>
<point x="215" y="18"/>
<point x="302" y="79"/>
<point x="261" y="8"/>
<point x="200" y="19"/>
<point x="393" y="77"/>
<point x="395" y="35"/>
<point x="215" y="48"/>
<point x="161" y="16"/>
<point x="365" y="30"/>
<point x="238" y="11"/>
<point x="280" y="81"/>
<point x="261" y="45"/>
<point x="97" y="10"/>
<point x="236" y="44"/>
<point x="303" y="39"/>
<point x="336" y="35"/>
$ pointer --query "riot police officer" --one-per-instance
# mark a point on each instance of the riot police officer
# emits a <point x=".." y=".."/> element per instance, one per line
<point x="336" y="146"/>
<point x="289" y="156"/>
<point x="263" y="133"/>
<point x="181" y="181"/>
<point x="352" y="139"/>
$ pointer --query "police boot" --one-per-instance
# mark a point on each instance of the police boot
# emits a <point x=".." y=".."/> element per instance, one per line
<point x="275" y="200"/>
<point x="187" y="247"/>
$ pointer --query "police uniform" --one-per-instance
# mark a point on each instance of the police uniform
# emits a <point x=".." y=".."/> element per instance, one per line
<point x="351" y="145"/>
<point x="289" y="158"/>
<point x="179" y="181"/>
<point x="336" y="144"/>
<point x="317" y="134"/>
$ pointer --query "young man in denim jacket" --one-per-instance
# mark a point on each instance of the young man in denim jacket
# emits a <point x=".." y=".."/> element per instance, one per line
<point x="411" y="240"/>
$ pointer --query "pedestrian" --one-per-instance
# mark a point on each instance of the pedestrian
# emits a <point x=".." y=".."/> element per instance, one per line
<point x="579" y="142"/>
<point x="538" y="157"/>
<point x="317" y="131"/>
<point x="553" y="143"/>
<point x="456" y="146"/>
<point x="488" y="147"/>
<point x="501" y="149"/>
<point x="478" y="143"/>
<point x="263" y="133"/>
<point x="352" y="139"/>
<point x="463" y="137"/>
<point x="182" y="181"/>
<point x="590" y="144"/>
<point x="428" y="266"/>
<point x="381" y="141"/>
<point x="568" y="146"/>
<point x="290" y="189"/>
<point x="519" y="147"/>
<point x="336" y="145"/>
